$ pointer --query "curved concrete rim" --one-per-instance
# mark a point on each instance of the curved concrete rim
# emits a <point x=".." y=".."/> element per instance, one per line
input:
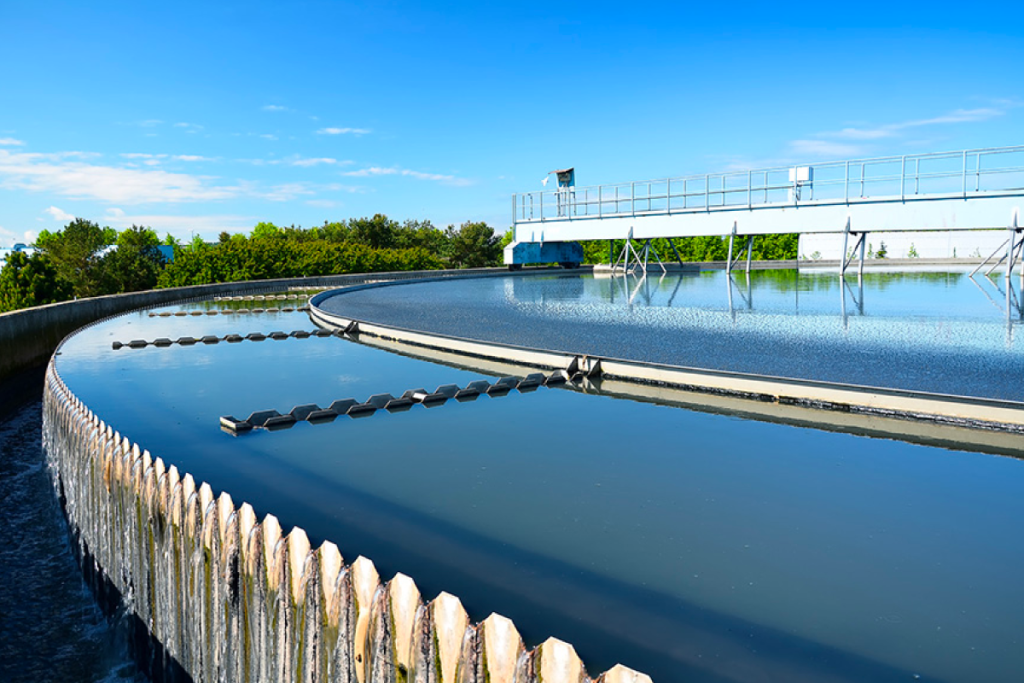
<point x="966" y="411"/>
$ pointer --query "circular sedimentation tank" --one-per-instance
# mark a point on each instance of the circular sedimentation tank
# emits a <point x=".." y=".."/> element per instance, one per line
<point x="686" y="534"/>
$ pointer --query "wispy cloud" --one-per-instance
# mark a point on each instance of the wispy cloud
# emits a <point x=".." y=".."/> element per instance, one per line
<point x="64" y="175"/>
<point x="893" y="130"/>
<point x="823" y="148"/>
<point x="11" y="142"/>
<point x="58" y="214"/>
<point x="305" y="162"/>
<point x="268" y="136"/>
<point x="188" y="127"/>
<point x="10" y="237"/>
<point x="343" y="131"/>
<point x="191" y="157"/>
<point x="419" y="175"/>
<point x="178" y="225"/>
<point x="274" y="107"/>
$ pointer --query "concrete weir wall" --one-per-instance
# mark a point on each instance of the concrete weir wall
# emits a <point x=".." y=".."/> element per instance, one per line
<point x="227" y="597"/>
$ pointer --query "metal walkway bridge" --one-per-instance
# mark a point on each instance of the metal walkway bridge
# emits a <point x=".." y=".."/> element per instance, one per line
<point x="964" y="190"/>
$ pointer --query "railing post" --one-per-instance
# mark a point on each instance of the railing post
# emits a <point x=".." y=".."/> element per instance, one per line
<point x="632" y="198"/>
<point x="965" y="175"/>
<point x="846" y="184"/>
<point x="977" y="172"/>
<point x="903" y="178"/>
<point x="707" y="192"/>
<point x="542" y="206"/>
<point x="600" y="200"/>
<point x="750" y="181"/>
<point x="668" y="196"/>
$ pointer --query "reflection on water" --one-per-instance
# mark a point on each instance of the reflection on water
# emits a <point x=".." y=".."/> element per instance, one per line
<point x="692" y="546"/>
<point x="925" y="331"/>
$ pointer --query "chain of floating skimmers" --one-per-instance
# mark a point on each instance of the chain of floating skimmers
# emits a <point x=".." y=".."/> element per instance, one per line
<point x="233" y="598"/>
<point x="230" y="338"/>
<point x="311" y="412"/>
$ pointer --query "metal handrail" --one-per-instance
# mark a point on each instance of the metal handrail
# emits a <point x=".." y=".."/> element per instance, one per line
<point x="855" y="180"/>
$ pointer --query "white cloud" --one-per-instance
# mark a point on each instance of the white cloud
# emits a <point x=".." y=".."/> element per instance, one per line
<point x="824" y="148"/>
<point x="895" y="129"/>
<point x="188" y="127"/>
<point x="268" y="136"/>
<point x="314" y="161"/>
<point x="11" y="142"/>
<point x="58" y="174"/>
<point x="191" y="157"/>
<point x="343" y="131"/>
<point x="58" y="214"/>
<point x="181" y="227"/>
<point x="323" y="203"/>
<point x="10" y="238"/>
<point x="419" y="175"/>
<point x="274" y="107"/>
<point x="143" y="155"/>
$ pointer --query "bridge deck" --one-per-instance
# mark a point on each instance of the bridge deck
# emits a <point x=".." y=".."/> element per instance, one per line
<point x="964" y="190"/>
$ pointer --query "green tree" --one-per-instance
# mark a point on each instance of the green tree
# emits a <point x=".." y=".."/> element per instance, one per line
<point x="377" y="232"/>
<point x="30" y="281"/>
<point x="135" y="264"/>
<point x="74" y="253"/>
<point x="473" y="245"/>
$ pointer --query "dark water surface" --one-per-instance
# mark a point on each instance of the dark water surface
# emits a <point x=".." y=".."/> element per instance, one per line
<point x="50" y="627"/>
<point x="928" y="331"/>
<point x="692" y="546"/>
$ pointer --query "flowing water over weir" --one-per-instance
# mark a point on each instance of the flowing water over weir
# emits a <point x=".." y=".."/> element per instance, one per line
<point x="221" y="595"/>
<point x="50" y="627"/>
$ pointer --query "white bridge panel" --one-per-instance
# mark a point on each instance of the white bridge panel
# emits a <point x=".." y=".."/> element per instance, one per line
<point x="954" y="213"/>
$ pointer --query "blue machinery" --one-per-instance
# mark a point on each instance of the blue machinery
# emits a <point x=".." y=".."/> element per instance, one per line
<point x="974" y="189"/>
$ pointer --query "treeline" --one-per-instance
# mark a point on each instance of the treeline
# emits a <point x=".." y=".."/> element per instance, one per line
<point x="361" y="245"/>
<point x="774" y="247"/>
<point x="81" y="261"/>
<point x="78" y="261"/>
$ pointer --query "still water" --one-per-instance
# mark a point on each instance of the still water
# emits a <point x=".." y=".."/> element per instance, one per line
<point x="929" y="331"/>
<point x="692" y="546"/>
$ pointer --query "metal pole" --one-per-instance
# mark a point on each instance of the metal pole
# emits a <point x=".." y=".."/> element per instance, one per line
<point x="611" y="252"/>
<point x="903" y="178"/>
<point x="750" y="247"/>
<point x="728" y="257"/>
<point x="846" y="185"/>
<point x="846" y="238"/>
<point x="750" y="181"/>
<point x="632" y="198"/>
<point x="668" y="196"/>
<point x="676" y="251"/>
<point x="965" y="175"/>
<point x="707" y="192"/>
<point x="860" y="266"/>
<point x="600" y="201"/>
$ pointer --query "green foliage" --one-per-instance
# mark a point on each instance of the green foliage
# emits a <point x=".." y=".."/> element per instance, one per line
<point x="913" y="251"/>
<point x="377" y="232"/>
<point x="773" y="247"/>
<point x="135" y="264"/>
<point x="30" y="281"/>
<point x="261" y="258"/>
<point x="74" y="254"/>
<point x="882" y="251"/>
<point x="473" y="245"/>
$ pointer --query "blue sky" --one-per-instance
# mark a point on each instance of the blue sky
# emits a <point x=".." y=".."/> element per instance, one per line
<point x="201" y="117"/>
